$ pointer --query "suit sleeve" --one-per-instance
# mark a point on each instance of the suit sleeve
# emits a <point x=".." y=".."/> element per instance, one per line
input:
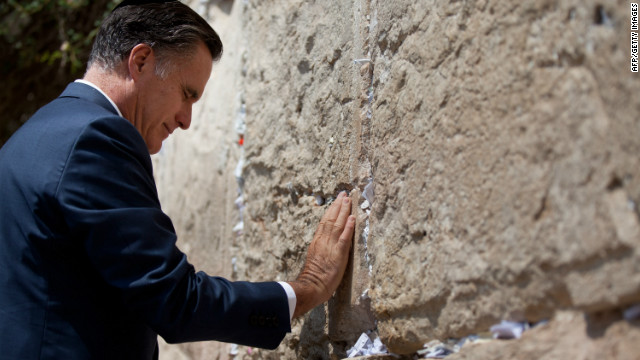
<point x="109" y="201"/>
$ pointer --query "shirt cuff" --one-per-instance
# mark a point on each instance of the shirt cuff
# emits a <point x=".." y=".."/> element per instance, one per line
<point x="291" y="295"/>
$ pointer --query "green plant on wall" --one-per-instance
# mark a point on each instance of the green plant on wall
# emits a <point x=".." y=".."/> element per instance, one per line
<point x="44" y="44"/>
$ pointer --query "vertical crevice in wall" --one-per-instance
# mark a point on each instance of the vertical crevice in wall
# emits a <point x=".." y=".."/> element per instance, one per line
<point x="239" y="244"/>
<point x="240" y="127"/>
<point x="350" y="312"/>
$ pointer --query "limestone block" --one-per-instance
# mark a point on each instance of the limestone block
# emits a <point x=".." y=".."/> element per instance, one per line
<point x="308" y="119"/>
<point x="505" y="166"/>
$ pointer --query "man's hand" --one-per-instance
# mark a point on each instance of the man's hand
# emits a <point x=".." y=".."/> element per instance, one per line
<point x="326" y="258"/>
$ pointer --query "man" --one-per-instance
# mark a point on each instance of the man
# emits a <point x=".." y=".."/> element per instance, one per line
<point x="90" y="269"/>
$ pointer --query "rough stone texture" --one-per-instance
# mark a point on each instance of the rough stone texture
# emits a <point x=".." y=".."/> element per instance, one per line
<point x="570" y="336"/>
<point x="521" y="199"/>
<point x="500" y="139"/>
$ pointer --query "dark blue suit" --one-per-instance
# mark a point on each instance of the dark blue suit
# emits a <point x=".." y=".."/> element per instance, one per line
<point x="88" y="263"/>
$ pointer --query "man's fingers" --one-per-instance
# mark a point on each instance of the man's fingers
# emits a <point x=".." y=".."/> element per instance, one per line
<point x="345" y="210"/>
<point x="347" y="233"/>
<point x="327" y="221"/>
<point x="327" y="256"/>
<point x="334" y="209"/>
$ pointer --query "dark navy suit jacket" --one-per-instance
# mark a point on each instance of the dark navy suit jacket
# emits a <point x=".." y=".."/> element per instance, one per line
<point x="89" y="268"/>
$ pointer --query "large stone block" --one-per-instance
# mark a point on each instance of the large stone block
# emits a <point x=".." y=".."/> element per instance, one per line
<point x="506" y="171"/>
<point x="308" y="122"/>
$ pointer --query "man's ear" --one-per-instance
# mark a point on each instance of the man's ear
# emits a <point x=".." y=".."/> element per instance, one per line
<point x="141" y="59"/>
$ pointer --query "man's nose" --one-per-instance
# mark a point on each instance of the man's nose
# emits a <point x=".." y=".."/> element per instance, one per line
<point x="184" y="117"/>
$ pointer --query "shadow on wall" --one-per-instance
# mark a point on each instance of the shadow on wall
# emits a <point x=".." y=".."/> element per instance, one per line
<point x="314" y="344"/>
<point x="224" y="5"/>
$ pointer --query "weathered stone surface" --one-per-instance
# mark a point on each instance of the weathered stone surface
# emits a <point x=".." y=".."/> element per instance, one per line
<point x="520" y="199"/>
<point x="570" y="335"/>
<point x="307" y="137"/>
<point x="500" y="139"/>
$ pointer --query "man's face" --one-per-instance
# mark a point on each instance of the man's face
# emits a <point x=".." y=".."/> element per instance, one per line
<point x="164" y="105"/>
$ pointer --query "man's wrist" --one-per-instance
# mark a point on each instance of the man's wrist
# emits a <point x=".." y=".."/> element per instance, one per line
<point x="304" y="297"/>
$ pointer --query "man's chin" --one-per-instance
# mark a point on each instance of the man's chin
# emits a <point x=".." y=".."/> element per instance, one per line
<point x="154" y="149"/>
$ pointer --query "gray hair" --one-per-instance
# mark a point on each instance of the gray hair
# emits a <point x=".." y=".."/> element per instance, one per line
<point x="171" y="29"/>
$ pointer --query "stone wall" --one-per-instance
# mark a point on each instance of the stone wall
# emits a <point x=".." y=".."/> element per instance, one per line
<point x="497" y="143"/>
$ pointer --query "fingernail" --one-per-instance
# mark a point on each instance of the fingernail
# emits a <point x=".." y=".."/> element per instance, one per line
<point x="346" y="200"/>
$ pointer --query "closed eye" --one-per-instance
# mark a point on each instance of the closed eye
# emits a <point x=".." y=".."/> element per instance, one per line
<point x="190" y="94"/>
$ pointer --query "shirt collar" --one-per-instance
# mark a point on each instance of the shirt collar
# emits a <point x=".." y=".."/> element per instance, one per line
<point x="83" y="81"/>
